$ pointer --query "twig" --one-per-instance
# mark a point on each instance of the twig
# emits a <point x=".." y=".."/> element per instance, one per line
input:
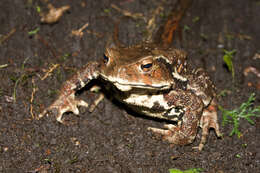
<point x="79" y="31"/>
<point x="50" y="71"/>
<point x="7" y="35"/>
<point x="32" y="97"/>
<point x="3" y="66"/>
<point x="165" y="34"/>
<point x="95" y="33"/>
<point x="54" y="14"/>
<point x="128" y="13"/>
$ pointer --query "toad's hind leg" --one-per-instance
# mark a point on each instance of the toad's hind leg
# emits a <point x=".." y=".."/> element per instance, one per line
<point x="203" y="87"/>
<point x="66" y="101"/>
<point x="186" y="129"/>
<point x="209" y="120"/>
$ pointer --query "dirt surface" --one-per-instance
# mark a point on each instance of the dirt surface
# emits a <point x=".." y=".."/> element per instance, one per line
<point x="110" y="139"/>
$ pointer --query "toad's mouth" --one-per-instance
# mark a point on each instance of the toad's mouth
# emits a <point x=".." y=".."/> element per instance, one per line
<point x="137" y="85"/>
<point x="125" y="85"/>
<point x="129" y="86"/>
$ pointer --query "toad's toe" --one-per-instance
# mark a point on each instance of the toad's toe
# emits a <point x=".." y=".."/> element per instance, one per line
<point x="160" y="131"/>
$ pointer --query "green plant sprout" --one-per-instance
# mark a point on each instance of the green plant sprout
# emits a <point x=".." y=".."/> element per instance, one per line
<point x="192" y="170"/>
<point x="245" y="111"/>
<point x="65" y="56"/>
<point x="238" y="156"/>
<point x="17" y="80"/>
<point x="38" y="9"/>
<point x="227" y="58"/>
<point x="195" y="19"/>
<point x="107" y="10"/>
<point x="33" y="32"/>
<point x="223" y="93"/>
<point x="204" y="36"/>
<point x="186" y="28"/>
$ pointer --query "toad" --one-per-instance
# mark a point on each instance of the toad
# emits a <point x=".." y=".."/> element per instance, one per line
<point x="153" y="81"/>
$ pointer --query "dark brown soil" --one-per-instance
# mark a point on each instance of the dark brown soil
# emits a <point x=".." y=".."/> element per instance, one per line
<point x="110" y="139"/>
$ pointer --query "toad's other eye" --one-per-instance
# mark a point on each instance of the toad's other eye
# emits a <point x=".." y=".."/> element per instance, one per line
<point x="106" y="59"/>
<point x="146" y="67"/>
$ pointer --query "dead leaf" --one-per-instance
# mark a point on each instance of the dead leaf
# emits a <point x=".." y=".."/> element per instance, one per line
<point x="79" y="32"/>
<point x="54" y="14"/>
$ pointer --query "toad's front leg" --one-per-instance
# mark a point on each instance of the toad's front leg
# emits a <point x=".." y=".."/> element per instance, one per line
<point x="66" y="101"/>
<point x="186" y="129"/>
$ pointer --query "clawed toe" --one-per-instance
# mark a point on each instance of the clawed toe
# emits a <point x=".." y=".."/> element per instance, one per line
<point x="62" y="105"/>
<point x="164" y="132"/>
<point x="160" y="131"/>
<point x="169" y="126"/>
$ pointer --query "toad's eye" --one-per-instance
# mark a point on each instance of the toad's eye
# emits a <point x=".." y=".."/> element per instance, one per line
<point x="146" y="67"/>
<point x="106" y="59"/>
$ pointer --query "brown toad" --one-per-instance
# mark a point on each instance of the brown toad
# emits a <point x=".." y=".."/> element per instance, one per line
<point x="153" y="81"/>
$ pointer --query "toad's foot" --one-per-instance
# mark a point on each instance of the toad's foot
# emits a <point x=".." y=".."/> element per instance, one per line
<point x="64" y="104"/>
<point x="174" y="134"/>
<point x="182" y="135"/>
<point x="66" y="101"/>
<point x="209" y="120"/>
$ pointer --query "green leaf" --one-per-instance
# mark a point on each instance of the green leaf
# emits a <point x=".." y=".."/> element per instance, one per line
<point x="33" y="32"/>
<point x="38" y="9"/>
<point x="195" y="19"/>
<point x="204" y="36"/>
<point x="186" y="28"/>
<point x="175" y="171"/>
<point x="245" y="111"/>
<point x="227" y="58"/>
<point x="106" y="10"/>
<point x="192" y="170"/>
<point x="238" y="156"/>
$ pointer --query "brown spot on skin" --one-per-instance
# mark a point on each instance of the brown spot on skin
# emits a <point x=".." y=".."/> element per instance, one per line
<point x="212" y="108"/>
<point x="180" y="68"/>
<point x="170" y="101"/>
<point x="157" y="106"/>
